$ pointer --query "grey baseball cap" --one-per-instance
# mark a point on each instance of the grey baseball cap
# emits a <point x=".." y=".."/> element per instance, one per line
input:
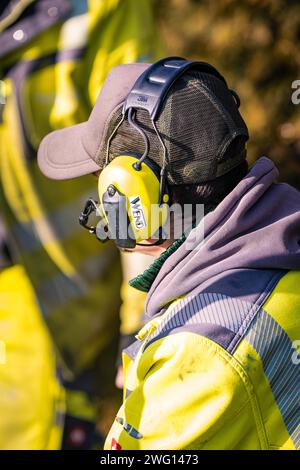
<point x="199" y="121"/>
<point x="74" y="151"/>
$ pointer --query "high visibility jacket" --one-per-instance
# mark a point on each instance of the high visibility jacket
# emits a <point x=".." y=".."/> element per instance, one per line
<point x="217" y="371"/>
<point x="53" y="64"/>
<point x="54" y="57"/>
<point x="31" y="399"/>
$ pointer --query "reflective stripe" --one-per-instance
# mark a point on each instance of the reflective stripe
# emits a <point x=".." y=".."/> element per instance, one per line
<point x="209" y="308"/>
<point x="275" y="350"/>
<point x="64" y="220"/>
<point x="18" y="73"/>
<point x="57" y="291"/>
<point x="132" y="350"/>
<point x="31" y="25"/>
<point x="129" y="429"/>
<point x="231" y="313"/>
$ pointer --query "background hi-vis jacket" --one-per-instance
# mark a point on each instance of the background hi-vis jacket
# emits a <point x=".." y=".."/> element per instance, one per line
<point x="216" y="373"/>
<point x="50" y="79"/>
<point x="54" y="57"/>
<point x="32" y="402"/>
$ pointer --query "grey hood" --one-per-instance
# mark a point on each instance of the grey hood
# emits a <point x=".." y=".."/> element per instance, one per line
<point x="257" y="226"/>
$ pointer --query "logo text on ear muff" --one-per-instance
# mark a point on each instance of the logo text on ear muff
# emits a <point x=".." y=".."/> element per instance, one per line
<point x="137" y="212"/>
<point x="142" y="99"/>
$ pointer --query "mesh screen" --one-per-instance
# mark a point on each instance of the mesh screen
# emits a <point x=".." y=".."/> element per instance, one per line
<point x="200" y="124"/>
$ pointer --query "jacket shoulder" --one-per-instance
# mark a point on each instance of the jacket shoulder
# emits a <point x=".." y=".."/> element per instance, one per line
<point x="224" y="310"/>
<point x="192" y="375"/>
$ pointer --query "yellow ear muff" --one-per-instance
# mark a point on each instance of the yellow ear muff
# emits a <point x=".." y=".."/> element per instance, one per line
<point x="141" y="189"/>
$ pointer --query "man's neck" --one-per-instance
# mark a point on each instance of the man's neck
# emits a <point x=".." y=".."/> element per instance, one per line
<point x="150" y="249"/>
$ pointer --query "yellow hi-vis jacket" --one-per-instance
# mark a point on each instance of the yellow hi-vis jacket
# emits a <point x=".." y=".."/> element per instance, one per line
<point x="50" y="79"/>
<point x="54" y="57"/>
<point x="215" y="372"/>
<point x="31" y="399"/>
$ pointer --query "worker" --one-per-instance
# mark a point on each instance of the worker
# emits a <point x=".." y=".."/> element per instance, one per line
<point x="214" y="367"/>
<point x="27" y="363"/>
<point x="55" y="55"/>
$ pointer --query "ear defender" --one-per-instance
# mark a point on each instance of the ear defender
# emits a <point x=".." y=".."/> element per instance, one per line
<point x="129" y="194"/>
<point x="133" y="190"/>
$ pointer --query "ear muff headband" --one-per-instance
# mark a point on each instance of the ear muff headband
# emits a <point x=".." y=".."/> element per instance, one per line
<point x="153" y="85"/>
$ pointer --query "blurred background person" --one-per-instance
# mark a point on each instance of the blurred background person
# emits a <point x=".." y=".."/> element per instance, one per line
<point x="54" y="281"/>
<point x="54" y="56"/>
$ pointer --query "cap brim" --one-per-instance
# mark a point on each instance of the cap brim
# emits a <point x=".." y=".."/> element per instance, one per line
<point x="72" y="152"/>
<point x="61" y="154"/>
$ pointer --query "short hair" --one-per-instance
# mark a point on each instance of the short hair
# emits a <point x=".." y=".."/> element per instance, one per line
<point x="210" y="193"/>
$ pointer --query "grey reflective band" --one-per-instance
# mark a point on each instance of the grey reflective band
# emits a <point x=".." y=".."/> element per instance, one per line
<point x="152" y="87"/>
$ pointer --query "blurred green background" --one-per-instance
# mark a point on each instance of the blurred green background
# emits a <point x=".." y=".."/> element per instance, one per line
<point x="255" y="44"/>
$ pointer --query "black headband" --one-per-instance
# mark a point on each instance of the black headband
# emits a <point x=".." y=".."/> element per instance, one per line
<point x="152" y="87"/>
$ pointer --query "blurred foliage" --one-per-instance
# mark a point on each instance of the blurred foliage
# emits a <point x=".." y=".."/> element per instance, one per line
<point x="255" y="44"/>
